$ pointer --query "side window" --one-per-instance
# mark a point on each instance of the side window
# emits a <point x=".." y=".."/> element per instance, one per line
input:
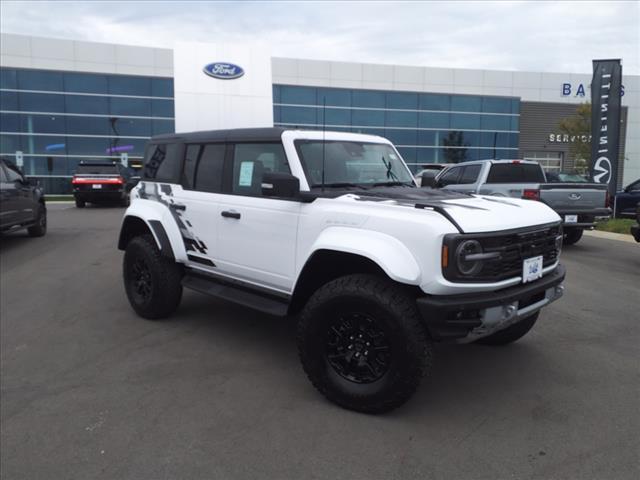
<point x="251" y="161"/>
<point x="515" y="173"/>
<point x="450" y="176"/>
<point x="208" y="176"/>
<point x="189" y="169"/>
<point x="635" y="187"/>
<point x="162" y="162"/>
<point x="12" y="175"/>
<point x="470" y="174"/>
<point x="3" y="176"/>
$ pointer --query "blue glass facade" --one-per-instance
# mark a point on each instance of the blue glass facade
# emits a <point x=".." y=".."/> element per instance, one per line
<point x="59" y="118"/>
<point x="425" y="127"/>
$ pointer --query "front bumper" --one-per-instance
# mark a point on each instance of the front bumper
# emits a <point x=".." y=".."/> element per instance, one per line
<point x="467" y="317"/>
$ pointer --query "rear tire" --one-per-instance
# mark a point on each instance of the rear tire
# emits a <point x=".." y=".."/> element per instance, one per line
<point x="152" y="282"/>
<point x="512" y="333"/>
<point x="362" y="343"/>
<point x="80" y="203"/>
<point x="40" y="227"/>
<point x="572" y="235"/>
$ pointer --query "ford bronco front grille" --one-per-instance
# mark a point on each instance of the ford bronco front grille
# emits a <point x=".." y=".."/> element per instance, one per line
<point x="512" y="248"/>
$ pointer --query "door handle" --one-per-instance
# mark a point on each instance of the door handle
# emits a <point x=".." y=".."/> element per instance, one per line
<point x="230" y="214"/>
<point x="177" y="206"/>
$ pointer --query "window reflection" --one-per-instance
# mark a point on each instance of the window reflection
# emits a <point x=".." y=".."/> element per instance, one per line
<point x="432" y="127"/>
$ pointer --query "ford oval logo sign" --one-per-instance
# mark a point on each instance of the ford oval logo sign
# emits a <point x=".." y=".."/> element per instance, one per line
<point x="223" y="71"/>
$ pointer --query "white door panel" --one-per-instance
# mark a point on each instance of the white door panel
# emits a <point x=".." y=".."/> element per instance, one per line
<point x="260" y="245"/>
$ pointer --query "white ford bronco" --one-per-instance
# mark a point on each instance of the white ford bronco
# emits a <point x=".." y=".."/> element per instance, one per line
<point x="330" y="227"/>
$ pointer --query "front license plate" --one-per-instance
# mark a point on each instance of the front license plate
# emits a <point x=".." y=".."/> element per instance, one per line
<point x="96" y="185"/>
<point x="571" y="219"/>
<point x="531" y="269"/>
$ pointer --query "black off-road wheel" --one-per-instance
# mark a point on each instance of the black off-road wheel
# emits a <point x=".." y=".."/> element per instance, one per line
<point x="39" y="229"/>
<point x="572" y="235"/>
<point x="80" y="203"/>
<point x="152" y="282"/>
<point x="362" y="343"/>
<point x="512" y="333"/>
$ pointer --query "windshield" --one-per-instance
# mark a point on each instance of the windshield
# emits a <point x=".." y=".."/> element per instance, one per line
<point x="572" y="177"/>
<point x="351" y="164"/>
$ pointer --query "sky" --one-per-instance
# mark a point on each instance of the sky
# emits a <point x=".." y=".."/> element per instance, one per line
<point x="543" y="36"/>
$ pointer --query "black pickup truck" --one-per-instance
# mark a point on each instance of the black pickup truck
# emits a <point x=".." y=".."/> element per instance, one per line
<point x="21" y="202"/>
<point x="635" y="229"/>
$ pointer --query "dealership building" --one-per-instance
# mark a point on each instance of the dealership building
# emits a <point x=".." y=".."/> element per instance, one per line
<point x="63" y="101"/>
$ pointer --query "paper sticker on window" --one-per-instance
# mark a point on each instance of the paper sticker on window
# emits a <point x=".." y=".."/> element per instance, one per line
<point x="246" y="174"/>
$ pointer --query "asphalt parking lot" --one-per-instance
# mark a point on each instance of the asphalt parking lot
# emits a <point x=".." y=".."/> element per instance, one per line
<point x="89" y="390"/>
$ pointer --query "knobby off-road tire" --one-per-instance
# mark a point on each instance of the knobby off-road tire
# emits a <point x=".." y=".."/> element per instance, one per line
<point x="80" y="203"/>
<point x="572" y="235"/>
<point x="512" y="333"/>
<point x="357" y="315"/>
<point x="39" y="229"/>
<point x="152" y="282"/>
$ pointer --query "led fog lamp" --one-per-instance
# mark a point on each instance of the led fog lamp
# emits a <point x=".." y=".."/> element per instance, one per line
<point x="465" y="253"/>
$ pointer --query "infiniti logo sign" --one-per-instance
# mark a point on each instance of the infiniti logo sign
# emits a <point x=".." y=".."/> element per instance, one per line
<point x="602" y="170"/>
<point x="223" y="70"/>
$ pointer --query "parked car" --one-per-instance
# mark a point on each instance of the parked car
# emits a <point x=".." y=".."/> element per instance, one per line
<point x="99" y="182"/>
<point x="578" y="204"/>
<point x="626" y="200"/>
<point x="330" y="227"/>
<point x="22" y="203"/>
<point x="635" y="229"/>
<point x="429" y="170"/>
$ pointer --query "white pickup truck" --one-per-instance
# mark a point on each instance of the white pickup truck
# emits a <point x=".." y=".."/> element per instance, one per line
<point x="331" y="228"/>
<point x="578" y="204"/>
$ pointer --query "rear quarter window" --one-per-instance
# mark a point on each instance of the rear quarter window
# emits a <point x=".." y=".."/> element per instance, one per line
<point x="163" y="162"/>
<point x="515" y="173"/>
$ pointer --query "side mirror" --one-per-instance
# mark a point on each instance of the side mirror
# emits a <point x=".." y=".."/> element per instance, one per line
<point x="283" y="185"/>
<point x="428" y="180"/>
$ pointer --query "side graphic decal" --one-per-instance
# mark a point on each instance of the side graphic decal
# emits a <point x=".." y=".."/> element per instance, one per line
<point x="162" y="193"/>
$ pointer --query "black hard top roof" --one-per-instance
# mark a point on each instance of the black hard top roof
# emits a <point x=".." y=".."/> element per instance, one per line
<point x="272" y="134"/>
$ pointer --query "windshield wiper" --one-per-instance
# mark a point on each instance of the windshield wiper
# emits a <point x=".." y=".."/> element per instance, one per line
<point x="393" y="184"/>
<point x="339" y="185"/>
<point x="389" y="167"/>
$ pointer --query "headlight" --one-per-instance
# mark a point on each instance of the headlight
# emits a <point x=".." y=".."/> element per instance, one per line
<point x="469" y="257"/>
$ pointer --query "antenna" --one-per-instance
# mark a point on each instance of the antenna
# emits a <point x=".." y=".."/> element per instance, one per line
<point x="324" y="141"/>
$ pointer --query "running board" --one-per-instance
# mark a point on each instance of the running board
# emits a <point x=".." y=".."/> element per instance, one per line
<point x="263" y="302"/>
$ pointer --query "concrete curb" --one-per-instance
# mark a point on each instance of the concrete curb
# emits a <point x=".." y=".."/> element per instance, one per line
<point x="610" y="236"/>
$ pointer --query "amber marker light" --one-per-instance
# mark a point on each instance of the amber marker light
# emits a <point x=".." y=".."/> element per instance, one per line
<point x="445" y="256"/>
